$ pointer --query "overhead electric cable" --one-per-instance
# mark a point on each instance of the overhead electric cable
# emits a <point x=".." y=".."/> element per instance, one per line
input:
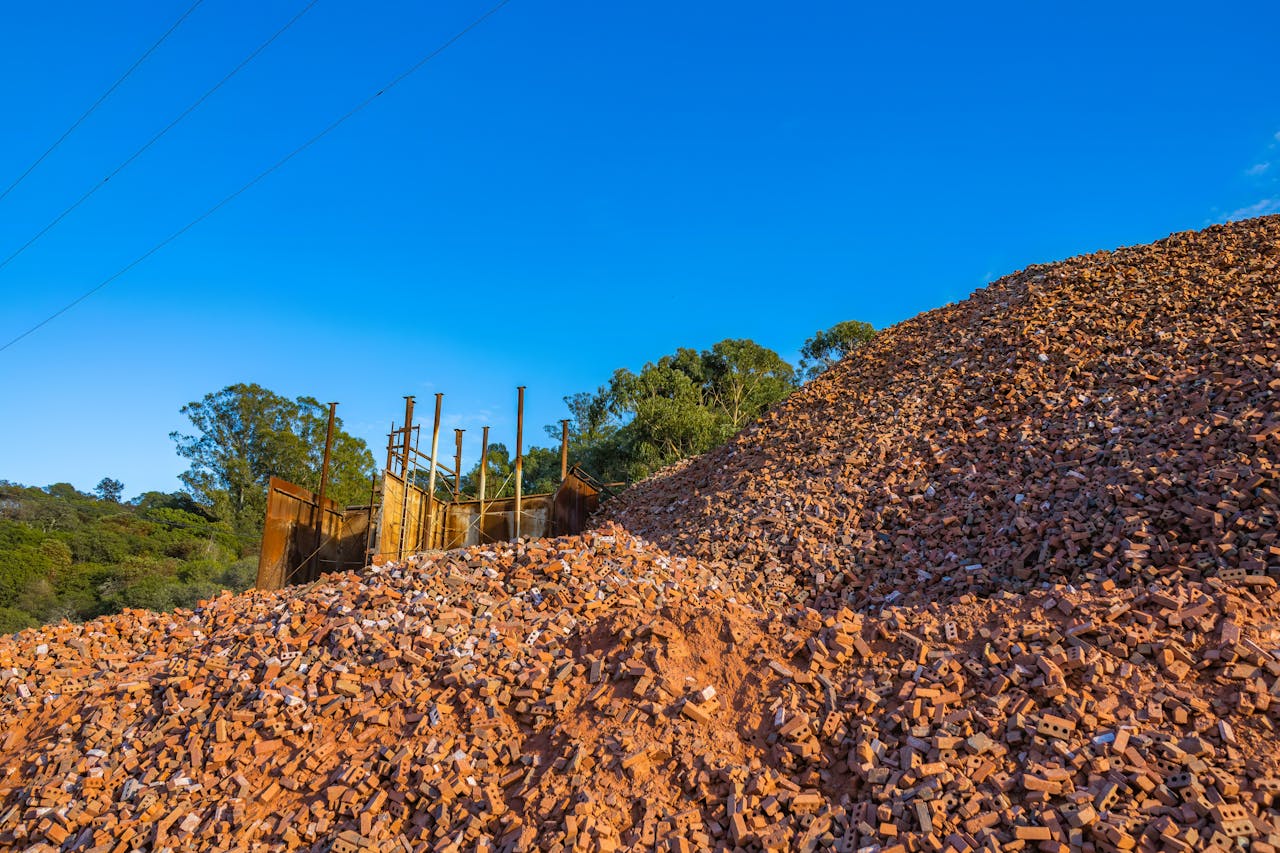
<point x="98" y="103"/>
<point x="153" y="140"/>
<point x="273" y="167"/>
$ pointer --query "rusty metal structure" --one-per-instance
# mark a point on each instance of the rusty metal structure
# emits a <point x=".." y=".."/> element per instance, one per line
<point x="306" y="534"/>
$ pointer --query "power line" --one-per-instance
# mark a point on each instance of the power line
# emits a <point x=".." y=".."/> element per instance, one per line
<point x="98" y="103"/>
<point x="273" y="167"/>
<point x="153" y="140"/>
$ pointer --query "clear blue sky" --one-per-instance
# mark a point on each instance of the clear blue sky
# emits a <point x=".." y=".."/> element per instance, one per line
<point x="632" y="177"/>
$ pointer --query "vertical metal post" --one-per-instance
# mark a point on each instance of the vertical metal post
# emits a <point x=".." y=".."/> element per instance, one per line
<point x="408" y="434"/>
<point x="431" y="478"/>
<point x="564" y="450"/>
<point x="404" y="504"/>
<point x="368" y="533"/>
<point x="457" y="466"/>
<point x="484" y="468"/>
<point x="484" y="463"/>
<point x="328" y="446"/>
<point x="519" y="457"/>
<point x="391" y="442"/>
<point x="421" y="515"/>
<point x="321" y="515"/>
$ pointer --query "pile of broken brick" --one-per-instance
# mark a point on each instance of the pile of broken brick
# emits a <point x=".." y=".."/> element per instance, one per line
<point x="1005" y="580"/>
<point x="1115" y="415"/>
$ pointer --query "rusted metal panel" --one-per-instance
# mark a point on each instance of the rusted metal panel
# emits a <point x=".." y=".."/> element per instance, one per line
<point x="460" y="524"/>
<point x="464" y="526"/>
<point x="411" y="515"/>
<point x="304" y="537"/>
<point x="573" y="504"/>
<point x="353" y="543"/>
<point x="399" y="513"/>
<point x="410" y="520"/>
<point x="277" y="537"/>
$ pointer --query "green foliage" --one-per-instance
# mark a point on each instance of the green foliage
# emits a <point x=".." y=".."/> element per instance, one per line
<point x="58" y="554"/>
<point x="745" y="380"/>
<point x="151" y="591"/>
<point x="499" y="476"/>
<point x="100" y="555"/>
<point x="13" y="620"/>
<point x="540" y="467"/>
<point x="109" y="489"/>
<point x="176" y="500"/>
<point x="246" y="434"/>
<point x="670" y="418"/>
<point x="65" y="491"/>
<point x="683" y="404"/>
<point x="826" y="348"/>
<point x="595" y="440"/>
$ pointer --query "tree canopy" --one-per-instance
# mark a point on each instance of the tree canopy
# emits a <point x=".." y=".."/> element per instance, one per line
<point x="826" y="347"/>
<point x="68" y="555"/>
<point x="541" y="469"/>
<point x="109" y="489"/>
<point x="245" y="434"/>
<point x="683" y="404"/>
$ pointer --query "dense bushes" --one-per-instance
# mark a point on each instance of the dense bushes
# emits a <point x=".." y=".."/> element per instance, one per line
<point x="68" y="555"/>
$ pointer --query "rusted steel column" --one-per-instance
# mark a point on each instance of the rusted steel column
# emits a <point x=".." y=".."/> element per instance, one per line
<point x="328" y="446"/>
<point x="484" y="467"/>
<point x="368" y="534"/>
<point x="408" y="436"/>
<point x="320" y="515"/>
<point x="391" y="443"/>
<point x="564" y="450"/>
<point x="404" y="504"/>
<point x="421" y="518"/>
<point x="519" y="457"/>
<point x="457" y="466"/>
<point x="431" y="478"/>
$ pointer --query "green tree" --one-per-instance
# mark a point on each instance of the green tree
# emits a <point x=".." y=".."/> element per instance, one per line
<point x="593" y="417"/>
<point x="245" y="434"/>
<point x="109" y="489"/>
<point x="13" y="620"/>
<point x="670" y="418"/>
<point x="540" y="467"/>
<point x="170" y="500"/>
<point x="745" y="379"/>
<point x="58" y="553"/>
<point x="51" y="515"/>
<point x="595" y="439"/>
<point x="498" y="470"/>
<point x="64" y="491"/>
<point x="65" y="554"/>
<point x="827" y="347"/>
<point x="683" y="404"/>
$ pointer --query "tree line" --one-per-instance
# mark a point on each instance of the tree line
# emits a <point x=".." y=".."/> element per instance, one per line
<point x="67" y="554"/>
